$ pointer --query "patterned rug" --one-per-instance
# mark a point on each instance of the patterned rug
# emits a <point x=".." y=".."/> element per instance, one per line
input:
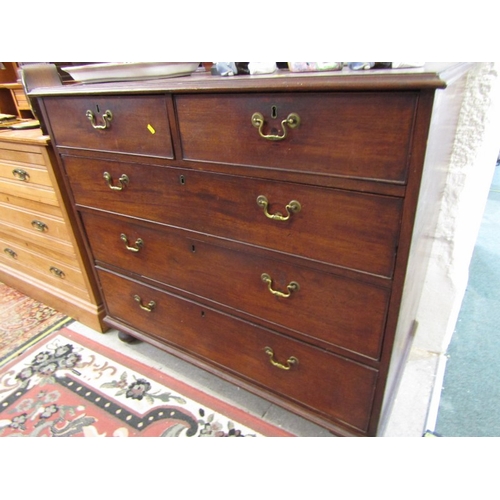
<point x="68" y="385"/>
<point x="24" y="321"/>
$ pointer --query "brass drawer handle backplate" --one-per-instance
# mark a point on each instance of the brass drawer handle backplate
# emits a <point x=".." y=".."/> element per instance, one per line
<point x="151" y="305"/>
<point x="106" y="118"/>
<point x="292" y="208"/>
<point x="292" y="120"/>
<point x="123" y="181"/>
<point x="21" y="174"/>
<point x="292" y="360"/>
<point x="138" y="243"/>
<point x="293" y="286"/>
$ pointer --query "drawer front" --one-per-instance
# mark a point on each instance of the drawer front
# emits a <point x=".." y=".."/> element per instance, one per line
<point x="353" y="230"/>
<point x="53" y="272"/>
<point x="34" y="206"/>
<point x="22" y="153"/>
<point x="37" y="239"/>
<point x="138" y="125"/>
<point x="37" y="223"/>
<point x="326" y="383"/>
<point x="21" y="99"/>
<point x="24" y="175"/>
<point x="361" y="135"/>
<point x="336" y="310"/>
<point x="63" y="253"/>
<point x="37" y="194"/>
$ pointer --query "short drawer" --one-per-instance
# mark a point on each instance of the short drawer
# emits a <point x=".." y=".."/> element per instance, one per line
<point x="21" y="99"/>
<point x="339" y="311"/>
<point x="325" y="383"/>
<point x="364" y="135"/>
<point x="347" y="229"/>
<point x="135" y="125"/>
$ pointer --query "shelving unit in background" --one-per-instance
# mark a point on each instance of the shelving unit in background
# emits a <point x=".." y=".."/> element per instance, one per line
<point x="23" y="108"/>
<point x="13" y="100"/>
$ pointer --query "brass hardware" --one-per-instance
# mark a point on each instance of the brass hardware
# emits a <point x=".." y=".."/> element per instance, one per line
<point x="151" y="305"/>
<point x="123" y="181"/>
<point x="106" y="118"/>
<point x="138" y="243"/>
<point x="292" y="120"/>
<point x="57" y="272"/>
<point x="293" y="286"/>
<point x="293" y="207"/>
<point x="21" y="174"/>
<point x="39" y="226"/>
<point x="292" y="360"/>
<point x="10" y="252"/>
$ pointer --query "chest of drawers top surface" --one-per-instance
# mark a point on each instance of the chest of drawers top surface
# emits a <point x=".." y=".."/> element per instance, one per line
<point x="431" y="76"/>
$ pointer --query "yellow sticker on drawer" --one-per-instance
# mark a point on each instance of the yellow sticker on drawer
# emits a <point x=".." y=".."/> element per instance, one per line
<point x="151" y="129"/>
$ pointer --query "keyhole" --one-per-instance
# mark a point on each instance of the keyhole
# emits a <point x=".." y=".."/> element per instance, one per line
<point x="97" y="108"/>
<point x="274" y="112"/>
<point x="202" y="314"/>
<point x="193" y="248"/>
<point x="182" y="180"/>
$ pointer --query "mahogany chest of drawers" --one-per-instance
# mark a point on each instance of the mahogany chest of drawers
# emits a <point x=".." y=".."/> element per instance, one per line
<point x="40" y="253"/>
<point x="267" y="229"/>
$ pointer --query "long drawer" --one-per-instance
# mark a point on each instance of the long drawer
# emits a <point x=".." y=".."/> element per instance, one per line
<point x="323" y="382"/>
<point x="24" y="174"/>
<point x="347" y="229"/>
<point x="29" y="204"/>
<point x="19" y="152"/>
<point x="38" y="194"/>
<point x="62" y="252"/>
<point x="57" y="273"/>
<point x="135" y="125"/>
<point x="34" y="222"/>
<point x="339" y="311"/>
<point x="363" y="135"/>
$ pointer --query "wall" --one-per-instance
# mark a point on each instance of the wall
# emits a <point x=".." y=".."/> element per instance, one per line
<point x="469" y="176"/>
<point x="469" y="170"/>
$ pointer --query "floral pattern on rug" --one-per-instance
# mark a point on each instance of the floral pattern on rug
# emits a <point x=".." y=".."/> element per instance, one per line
<point x="66" y="389"/>
<point x="22" y="319"/>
